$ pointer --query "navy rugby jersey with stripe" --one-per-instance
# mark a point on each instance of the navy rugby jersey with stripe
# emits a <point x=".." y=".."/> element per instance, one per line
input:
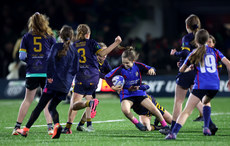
<point x="88" y="73"/>
<point x="186" y="48"/>
<point x="37" y="48"/>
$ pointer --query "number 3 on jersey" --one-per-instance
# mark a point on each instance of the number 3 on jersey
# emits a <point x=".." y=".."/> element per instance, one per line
<point x="82" y="59"/>
<point x="39" y="49"/>
<point x="210" y="64"/>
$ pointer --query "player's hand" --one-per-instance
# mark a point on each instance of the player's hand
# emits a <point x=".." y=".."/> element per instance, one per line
<point x="118" y="40"/>
<point x="151" y="72"/>
<point x="50" y="80"/>
<point x="173" y="51"/>
<point x="133" y="88"/>
<point x="191" y="67"/>
<point x="117" y="88"/>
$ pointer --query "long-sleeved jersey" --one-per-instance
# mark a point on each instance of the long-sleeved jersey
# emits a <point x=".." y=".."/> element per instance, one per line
<point x="186" y="48"/>
<point x="34" y="50"/>
<point x="62" y="70"/>
<point x="132" y="76"/>
<point x="104" y="68"/>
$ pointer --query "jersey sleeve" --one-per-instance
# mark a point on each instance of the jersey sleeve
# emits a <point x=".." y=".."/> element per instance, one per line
<point x="51" y="61"/>
<point x="183" y="53"/>
<point x="23" y="49"/>
<point x="187" y="62"/>
<point x="143" y="67"/>
<point x="110" y="75"/>
<point x="219" y="55"/>
<point x="107" y="69"/>
<point x="186" y="43"/>
<point x="95" y="48"/>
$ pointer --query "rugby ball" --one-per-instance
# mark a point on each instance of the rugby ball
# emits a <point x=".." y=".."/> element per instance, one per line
<point x="118" y="80"/>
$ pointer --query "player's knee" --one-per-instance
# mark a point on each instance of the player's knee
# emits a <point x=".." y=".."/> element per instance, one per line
<point x="125" y="111"/>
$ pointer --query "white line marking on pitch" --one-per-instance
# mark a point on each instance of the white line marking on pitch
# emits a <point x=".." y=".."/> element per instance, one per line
<point x="107" y="121"/>
<point x="216" y="114"/>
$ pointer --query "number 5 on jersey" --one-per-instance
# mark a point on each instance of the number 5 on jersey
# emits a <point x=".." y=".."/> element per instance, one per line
<point x="39" y="48"/>
<point x="82" y="59"/>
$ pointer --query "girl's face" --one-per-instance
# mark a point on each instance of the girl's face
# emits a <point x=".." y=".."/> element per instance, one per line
<point x="210" y="43"/>
<point x="127" y="63"/>
<point x="101" y="59"/>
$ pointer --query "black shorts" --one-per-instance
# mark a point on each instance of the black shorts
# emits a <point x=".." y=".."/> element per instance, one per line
<point x="54" y="94"/>
<point x="140" y="110"/>
<point x="34" y="82"/>
<point x="186" y="80"/>
<point x="200" y="93"/>
<point x="136" y="99"/>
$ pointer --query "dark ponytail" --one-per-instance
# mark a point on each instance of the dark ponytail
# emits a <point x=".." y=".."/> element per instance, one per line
<point x="201" y="38"/>
<point x="66" y="34"/>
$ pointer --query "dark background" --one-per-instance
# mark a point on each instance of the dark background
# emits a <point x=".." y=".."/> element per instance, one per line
<point x="109" y="18"/>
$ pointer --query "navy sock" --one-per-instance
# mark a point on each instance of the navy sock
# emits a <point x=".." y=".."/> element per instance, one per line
<point x="172" y="124"/>
<point x="89" y="122"/>
<point x="81" y="123"/>
<point x="176" y="128"/>
<point x="206" y="115"/>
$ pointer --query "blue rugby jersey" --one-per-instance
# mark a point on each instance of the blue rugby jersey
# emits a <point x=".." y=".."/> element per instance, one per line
<point x="186" y="48"/>
<point x="37" y="49"/>
<point x="207" y="77"/>
<point x="132" y="76"/>
<point x="88" y="73"/>
<point x="104" y="68"/>
<point x="62" y="70"/>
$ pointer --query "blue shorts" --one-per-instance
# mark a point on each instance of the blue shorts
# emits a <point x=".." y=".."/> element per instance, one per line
<point x="140" y="110"/>
<point x="84" y="89"/>
<point x="200" y="93"/>
<point x="186" y="80"/>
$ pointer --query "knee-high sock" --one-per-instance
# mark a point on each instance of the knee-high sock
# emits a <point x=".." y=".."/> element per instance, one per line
<point x="206" y="114"/>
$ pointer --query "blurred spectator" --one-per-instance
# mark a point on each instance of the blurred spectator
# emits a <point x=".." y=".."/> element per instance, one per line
<point x="107" y="19"/>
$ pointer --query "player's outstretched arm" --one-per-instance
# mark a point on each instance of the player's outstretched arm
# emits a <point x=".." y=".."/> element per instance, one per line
<point x="106" y="51"/>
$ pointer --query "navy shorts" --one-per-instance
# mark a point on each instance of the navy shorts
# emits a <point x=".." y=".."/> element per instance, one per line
<point x="140" y="110"/>
<point x="200" y="93"/>
<point x="34" y="82"/>
<point x="185" y="80"/>
<point x="84" y="89"/>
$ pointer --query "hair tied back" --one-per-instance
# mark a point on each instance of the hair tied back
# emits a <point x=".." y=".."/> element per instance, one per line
<point x="195" y="26"/>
